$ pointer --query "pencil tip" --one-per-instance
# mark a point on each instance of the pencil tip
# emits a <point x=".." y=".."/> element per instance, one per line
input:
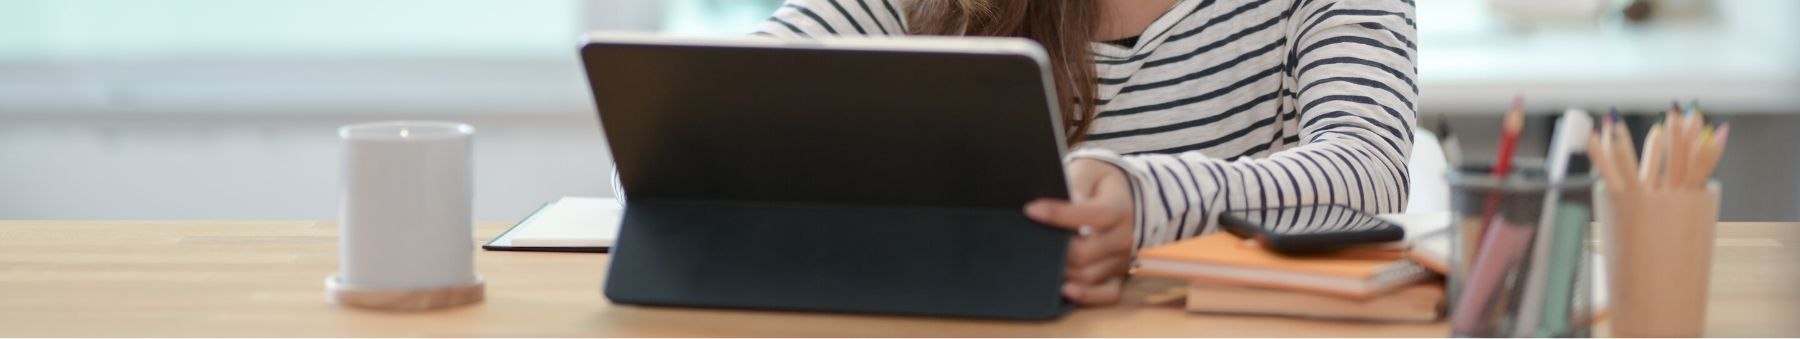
<point x="1515" y="121"/>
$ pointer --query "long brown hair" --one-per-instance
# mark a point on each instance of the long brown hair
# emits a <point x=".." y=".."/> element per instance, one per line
<point x="1064" y="27"/>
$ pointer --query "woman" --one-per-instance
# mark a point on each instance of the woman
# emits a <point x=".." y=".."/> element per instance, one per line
<point x="1197" y="107"/>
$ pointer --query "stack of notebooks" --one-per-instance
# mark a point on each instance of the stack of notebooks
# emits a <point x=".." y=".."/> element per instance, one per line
<point x="1230" y="275"/>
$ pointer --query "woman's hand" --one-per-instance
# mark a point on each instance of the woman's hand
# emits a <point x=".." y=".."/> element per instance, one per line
<point x="1100" y="212"/>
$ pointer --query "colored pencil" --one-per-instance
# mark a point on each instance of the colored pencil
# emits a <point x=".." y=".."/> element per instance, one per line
<point x="1510" y="127"/>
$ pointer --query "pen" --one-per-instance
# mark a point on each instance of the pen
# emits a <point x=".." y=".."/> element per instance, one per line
<point x="1499" y="253"/>
<point x="1574" y="125"/>
<point x="1509" y="137"/>
<point x="1510" y="127"/>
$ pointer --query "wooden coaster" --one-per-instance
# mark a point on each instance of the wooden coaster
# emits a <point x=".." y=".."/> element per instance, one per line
<point x="403" y="300"/>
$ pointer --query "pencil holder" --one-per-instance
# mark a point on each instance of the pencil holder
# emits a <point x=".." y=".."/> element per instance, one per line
<point x="406" y="238"/>
<point x="1659" y="258"/>
<point x="1518" y="261"/>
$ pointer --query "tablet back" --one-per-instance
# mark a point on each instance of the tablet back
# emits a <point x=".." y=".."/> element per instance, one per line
<point x="869" y="175"/>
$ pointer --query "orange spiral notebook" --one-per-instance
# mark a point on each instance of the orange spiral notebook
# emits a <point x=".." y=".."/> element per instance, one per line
<point x="1225" y="259"/>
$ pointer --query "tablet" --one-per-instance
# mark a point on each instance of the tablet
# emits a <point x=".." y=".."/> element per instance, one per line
<point x="873" y="175"/>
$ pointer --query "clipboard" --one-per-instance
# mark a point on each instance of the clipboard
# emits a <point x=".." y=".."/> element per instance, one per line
<point x="571" y="224"/>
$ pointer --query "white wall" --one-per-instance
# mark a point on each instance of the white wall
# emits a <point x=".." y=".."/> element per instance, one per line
<point x="202" y="167"/>
<point x="231" y="114"/>
<point x="172" y="138"/>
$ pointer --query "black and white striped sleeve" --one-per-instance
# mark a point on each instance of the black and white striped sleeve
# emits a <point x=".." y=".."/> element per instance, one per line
<point x="821" y="18"/>
<point x="1352" y="62"/>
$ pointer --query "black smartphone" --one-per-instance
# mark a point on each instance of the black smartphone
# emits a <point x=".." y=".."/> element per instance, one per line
<point x="1310" y="229"/>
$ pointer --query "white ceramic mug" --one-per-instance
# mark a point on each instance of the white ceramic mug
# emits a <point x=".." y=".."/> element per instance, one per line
<point x="407" y="191"/>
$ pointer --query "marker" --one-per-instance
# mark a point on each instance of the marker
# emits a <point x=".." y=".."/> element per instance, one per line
<point x="1574" y="125"/>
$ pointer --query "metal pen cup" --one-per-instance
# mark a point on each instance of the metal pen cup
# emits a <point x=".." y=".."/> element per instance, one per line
<point x="1516" y="271"/>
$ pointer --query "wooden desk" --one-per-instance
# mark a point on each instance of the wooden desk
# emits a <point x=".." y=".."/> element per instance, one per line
<point x="203" y="279"/>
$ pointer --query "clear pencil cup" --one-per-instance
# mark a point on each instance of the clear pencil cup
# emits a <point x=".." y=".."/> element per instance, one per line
<point x="1520" y="264"/>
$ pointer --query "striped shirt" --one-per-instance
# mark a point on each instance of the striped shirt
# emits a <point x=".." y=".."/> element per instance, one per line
<point x="1230" y="104"/>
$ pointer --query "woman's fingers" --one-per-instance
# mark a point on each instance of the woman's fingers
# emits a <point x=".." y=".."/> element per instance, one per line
<point x="1073" y="216"/>
<point x="1104" y="293"/>
<point x="1099" y="198"/>
<point x="1098" y="271"/>
<point x="1113" y="242"/>
<point x="1113" y="187"/>
<point x="1099" y="207"/>
<point x="1091" y="180"/>
<point x="1085" y="177"/>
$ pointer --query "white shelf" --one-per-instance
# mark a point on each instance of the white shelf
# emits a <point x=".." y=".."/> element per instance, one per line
<point x="1744" y="58"/>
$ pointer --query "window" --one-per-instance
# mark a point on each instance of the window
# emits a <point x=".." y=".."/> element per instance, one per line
<point x="321" y="56"/>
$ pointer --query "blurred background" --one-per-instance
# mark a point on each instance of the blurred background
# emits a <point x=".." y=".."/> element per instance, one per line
<point x="227" y="109"/>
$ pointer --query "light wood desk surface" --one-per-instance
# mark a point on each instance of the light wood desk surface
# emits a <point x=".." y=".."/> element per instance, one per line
<point x="202" y="279"/>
